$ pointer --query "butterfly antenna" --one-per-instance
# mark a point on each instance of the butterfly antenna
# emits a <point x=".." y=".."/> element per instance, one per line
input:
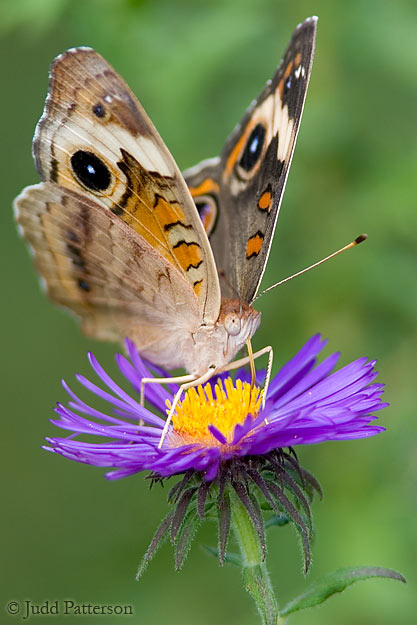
<point x="358" y="240"/>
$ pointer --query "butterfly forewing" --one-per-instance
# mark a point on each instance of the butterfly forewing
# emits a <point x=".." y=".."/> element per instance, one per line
<point x="247" y="182"/>
<point x="95" y="138"/>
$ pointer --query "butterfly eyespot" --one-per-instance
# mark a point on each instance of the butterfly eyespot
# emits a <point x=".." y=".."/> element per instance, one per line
<point x="99" y="110"/>
<point x="232" y="324"/>
<point x="253" y="148"/>
<point x="84" y="285"/>
<point x="207" y="209"/>
<point x="203" y="208"/>
<point x="90" y="171"/>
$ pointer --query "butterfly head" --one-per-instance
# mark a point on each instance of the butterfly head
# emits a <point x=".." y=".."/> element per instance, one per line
<point x="240" y="322"/>
<point x="214" y="346"/>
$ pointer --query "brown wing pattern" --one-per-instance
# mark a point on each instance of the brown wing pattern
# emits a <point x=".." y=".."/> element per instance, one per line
<point x="252" y="171"/>
<point x="95" y="138"/>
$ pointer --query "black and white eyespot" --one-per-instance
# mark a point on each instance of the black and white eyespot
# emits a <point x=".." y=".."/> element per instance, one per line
<point x="233" y="324"/>
<point x="91" y="171"/>
<point x="252" y="152"/>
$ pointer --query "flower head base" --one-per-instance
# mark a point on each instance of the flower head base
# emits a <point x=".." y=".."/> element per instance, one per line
<point x="202" y="414"/>
<point x="274" y="482"/>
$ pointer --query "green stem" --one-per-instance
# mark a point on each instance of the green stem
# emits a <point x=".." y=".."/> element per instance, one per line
<point x="255" y="575"/>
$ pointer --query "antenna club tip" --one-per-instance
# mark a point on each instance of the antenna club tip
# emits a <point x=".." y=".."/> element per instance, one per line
<point x="360" y="238"/>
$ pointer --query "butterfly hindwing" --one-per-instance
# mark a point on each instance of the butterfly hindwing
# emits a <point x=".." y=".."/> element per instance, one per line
<point x="95" y="264"/>
<point x="247" y="182"/>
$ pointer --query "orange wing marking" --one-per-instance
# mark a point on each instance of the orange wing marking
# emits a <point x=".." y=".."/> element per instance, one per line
<point x="197" y="287"/>
<point x="265" y="201"/>
<point x="188" y="254"/>
<point x="254" y="244"/>
<point x="235" y="153"/>
<point x="207" y="186"/>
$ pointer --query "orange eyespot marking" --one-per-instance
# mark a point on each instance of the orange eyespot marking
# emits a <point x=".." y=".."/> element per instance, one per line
<point x="205" y="202"/>
<point x="297" y="59"/>
<point x="188" y="254"/>
<point x="235" y="153"/>
<point x="254" y="244"/>
<point x="265" y="201"/>
<point x="197" y="286"/>
<point x="207" y="186"/>
<point x="284" y="78"/>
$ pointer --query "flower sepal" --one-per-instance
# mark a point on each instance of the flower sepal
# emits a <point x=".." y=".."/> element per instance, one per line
<point x="274" y="482"/>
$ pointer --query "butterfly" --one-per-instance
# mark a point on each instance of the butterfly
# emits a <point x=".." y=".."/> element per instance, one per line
<point x="133" y="247"/>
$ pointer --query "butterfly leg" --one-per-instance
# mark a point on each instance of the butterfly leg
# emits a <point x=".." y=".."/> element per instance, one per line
<point x="268" y="375"/>
<point x="178" y="380"/>
<point x="251" y="363"/>
<point x="184" y="387"/>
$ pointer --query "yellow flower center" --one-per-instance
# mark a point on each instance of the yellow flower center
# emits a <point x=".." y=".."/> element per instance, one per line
<point x="225" y="408"/>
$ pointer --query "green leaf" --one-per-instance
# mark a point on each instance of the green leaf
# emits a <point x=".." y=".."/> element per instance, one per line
<point x="231" y="558"/>
<point x="334" y="582"/>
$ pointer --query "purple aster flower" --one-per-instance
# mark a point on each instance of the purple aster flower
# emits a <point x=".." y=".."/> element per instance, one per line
<point x="306" y="404"/>
<point x="221" y="438"/>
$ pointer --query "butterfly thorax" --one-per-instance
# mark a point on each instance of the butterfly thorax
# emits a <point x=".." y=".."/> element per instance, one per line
<point x="216" y="345"/>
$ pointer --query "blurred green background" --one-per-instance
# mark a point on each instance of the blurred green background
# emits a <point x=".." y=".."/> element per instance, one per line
<point x="68" y="533"/>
